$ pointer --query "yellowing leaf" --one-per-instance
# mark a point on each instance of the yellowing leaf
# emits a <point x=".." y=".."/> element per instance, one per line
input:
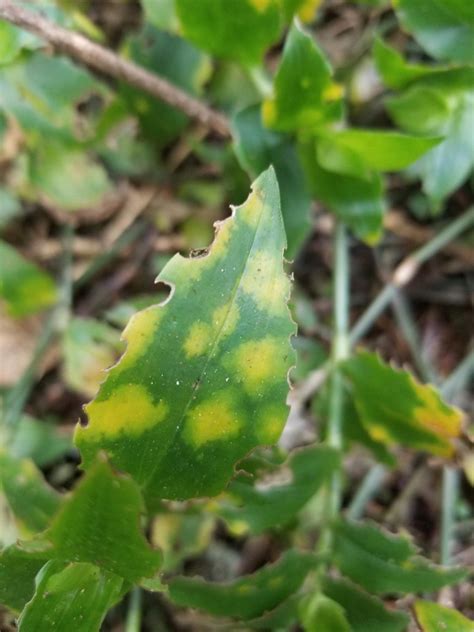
<point x="204" y="376"/>
<point x="395" y="408"/>
<point x="435" y="618"/>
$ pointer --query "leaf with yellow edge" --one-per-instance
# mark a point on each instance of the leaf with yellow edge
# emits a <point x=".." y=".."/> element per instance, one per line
<point x="204" y="378"/>
<point x="395" y="408"/>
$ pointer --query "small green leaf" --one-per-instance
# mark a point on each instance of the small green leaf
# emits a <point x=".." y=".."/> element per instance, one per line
<point x="277" y="505"/>
<point x="41" y="441"/>
<point x="395" y="71"/>
<point x="89" y="347"/>
<point x="68" y="178"/>
<point x="304" y="95"/>
<point x="233" y="29"/>
<point x="321" y="614"/>
<point x="382" y="563"/>
<point x="444" y="28"/>
<point x="72" y="597"/>
<point x="204" y="376"/>
<point x="257" y="148"/>
<point x="99" y="524"/>
<point x="357" y="201"/>
<point x="376" y="150"/>
<point x="395" y="408"/>
<point x="17" y="577"/>
<point x="435" y="618"/>
<point x="248" y="597"/>
<point x="10" y="206"/>
<point x="32" y="501"/>
<point x="24" y="287"/>
<point x="173" y="58"/>
<point x="364" y="612"/>
<point x="161" y="14"/>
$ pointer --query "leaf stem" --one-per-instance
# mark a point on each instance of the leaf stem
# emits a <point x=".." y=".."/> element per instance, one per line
<point x="406" y="270"/>
<point x="450" y="492"/>
<point x="367" y="490"/>
<point x="134" y="613"/>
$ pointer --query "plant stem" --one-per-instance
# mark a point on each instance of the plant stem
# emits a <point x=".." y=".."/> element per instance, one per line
<point x="134" y="614"/>
<point x="406" y="270"/>
<point x="459" y="377"/>
<point x="450" y="493"/>
<point x="367" y="490"/>
<point x="340" y="350"/>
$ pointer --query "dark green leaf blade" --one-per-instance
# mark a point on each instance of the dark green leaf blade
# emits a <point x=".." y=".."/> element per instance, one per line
<point x="17" y="577"/>
<point x="250" y="596"/>
<point x="204" y="376"/>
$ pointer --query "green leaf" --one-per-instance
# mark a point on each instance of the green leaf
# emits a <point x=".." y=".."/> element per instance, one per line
<point x="257" y="148"/>
<point x="73" y="597"/>
<point x="241" y="30"/>
<point x="17" y="577"/>
<point x="357" y="201"/>
<point x="304" y="9"/>
<point x="10" y="205"/>
<point x="203" y="379"/>
<point x="68" y="178"/>
<point x="89" y="347"/>
<point x="435" y="618"/>
<point x="356" y="151"/>
<point x="444" y="28"/>
<point x="304" y="95"/>
<point x="275" y="506"/>
<point x="24" y="287"/>
<point x="32" y="501"/>
<point x="174" y="59"/>
<point x="161" y="14"/>
<point x="395" y="71"/>
<point x="321" y="614"/>
<point x="364" y="612"/>
<point x="99" y="524"/>
<point x="383" y="563"/>
<point x="395" y="408"/>
<point x="40" y="441"/>
<point x="248" y="597"/>
<point x="445" y="110"/>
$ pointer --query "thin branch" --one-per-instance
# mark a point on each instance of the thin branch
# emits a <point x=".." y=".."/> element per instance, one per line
<point x="106" y="61"/>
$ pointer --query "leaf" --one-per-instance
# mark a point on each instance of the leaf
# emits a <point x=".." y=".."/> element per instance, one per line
<point x="161" y="14"/>
<point x="304" y="95"/>
<point x="444" y="28"/>
<point x="203" y="379"/>
<point x="232" y="29"/>
<point x="382" y="563"/>
<point x="24" y="287"/>
<point x="17" y="577"/>
<point x="249" y="596"/>
<point x="274" y="506"/>
<point x="99" y="524"/>
<point x="32" y="501"/>
<point x="321" y="614"/>
<point x="395" y="71"/>
<point x="257" y="148"/>
<point x="364" y="612"/>
<point x="173" y="58"/>
<point x="72" y="597"/>
<point x="439" y="108"/>
<point x="395" y="408"/>
<point x="304" y="9"/>
<point x="40" y="441"/>
<point x="89" y="347"/>
<point x="435" y="618"/>
<point x="68" y="178"/>
<point x="357" y="151"/>
<point x="10" y="206"/>
<point x="357" y="201"/>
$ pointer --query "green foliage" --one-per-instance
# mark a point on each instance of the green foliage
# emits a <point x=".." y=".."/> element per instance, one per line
<point x="23" y="286"/>
<point x="183" y="425"/>
<point x="17" y="577"/>
<point x="435" y="618"/>
<point x="250" y="596"/>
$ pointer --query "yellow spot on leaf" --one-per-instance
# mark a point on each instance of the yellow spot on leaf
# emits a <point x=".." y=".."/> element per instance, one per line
<point x="269" y="112"/>
<point x="221" y="240"/>
<point x="265" y="280"/>
<point x="270" y="424"/>
<point x="260" y="5"/>
<point x="308" y="9"/>
<point x="257" y="362"/>
<point x="434" y="415"/>
<point x="225" y="318"/>
<point x="379" y="433"/>
<point x="139" y="333"/>
<point x="333" y="92"/>
<point x="212" y="420"/>
<point x="129" y="410"/>
<point x="252" y="209"/>
<point x="198" y="340"/>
